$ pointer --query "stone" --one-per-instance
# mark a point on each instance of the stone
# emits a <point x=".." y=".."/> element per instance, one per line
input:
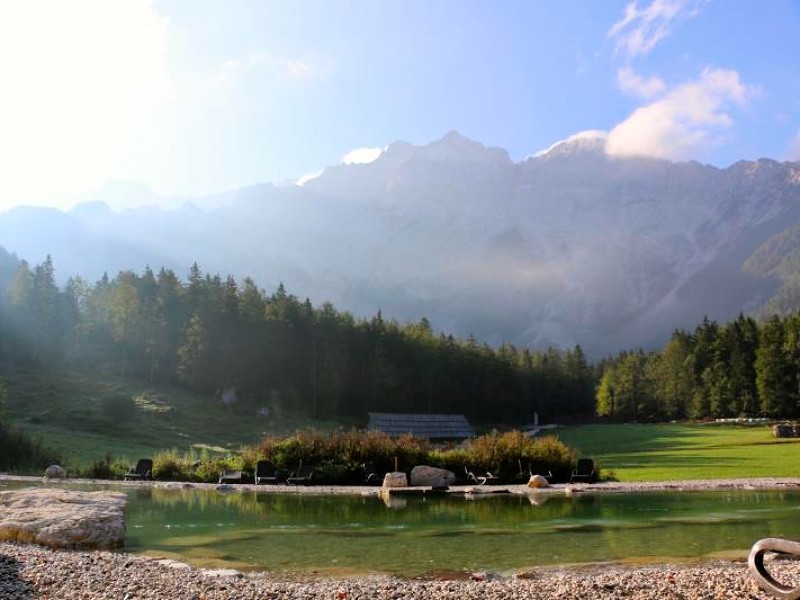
<point x="55" y="472"/>
<point x="395" y="479"/>
<point x="63" y="519"/>
<point x="423" y="475"/>
<point x="538" y="481"/>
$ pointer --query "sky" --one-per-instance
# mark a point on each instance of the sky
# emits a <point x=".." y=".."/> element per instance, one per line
<point x="193" y="97"/>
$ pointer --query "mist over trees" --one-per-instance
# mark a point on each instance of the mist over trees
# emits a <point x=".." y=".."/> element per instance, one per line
<point x="213" y="334"/>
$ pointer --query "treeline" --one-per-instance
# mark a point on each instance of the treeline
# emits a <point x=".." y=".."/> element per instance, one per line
<point x="740" y="369"/>
<point x="223" y="336"/>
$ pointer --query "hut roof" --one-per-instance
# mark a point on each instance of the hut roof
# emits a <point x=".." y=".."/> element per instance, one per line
<point x="433" y="427"/>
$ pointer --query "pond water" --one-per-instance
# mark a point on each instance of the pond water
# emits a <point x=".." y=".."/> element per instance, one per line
<point x="415" y="535"/>
<point x="418" y="535"/>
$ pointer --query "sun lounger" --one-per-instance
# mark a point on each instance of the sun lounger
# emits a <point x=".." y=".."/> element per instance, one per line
<point x="230" y="476"/>
<point x="480" y="477"/>
<point x="301" y="476"/>
<point x="266" y="472"/>
<point x="142" y="471"/>
<point x="584" y="471"/>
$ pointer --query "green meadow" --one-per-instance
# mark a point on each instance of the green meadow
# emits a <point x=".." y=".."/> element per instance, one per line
<point x="88" y="415"/>
<point x="660" y="452"/>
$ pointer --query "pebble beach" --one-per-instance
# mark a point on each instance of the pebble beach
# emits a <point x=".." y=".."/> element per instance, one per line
<point x="28" y="571"/>
<point x="34" y="572"/>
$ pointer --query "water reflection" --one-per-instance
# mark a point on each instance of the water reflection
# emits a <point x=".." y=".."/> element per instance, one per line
<point x="412" y="535"/>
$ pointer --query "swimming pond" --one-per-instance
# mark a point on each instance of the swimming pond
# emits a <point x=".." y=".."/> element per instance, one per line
<point x="415" y="536"/>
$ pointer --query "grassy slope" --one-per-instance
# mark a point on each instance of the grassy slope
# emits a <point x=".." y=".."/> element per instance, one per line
<point x="67" y="410"/>
<point x="685" y="451"/>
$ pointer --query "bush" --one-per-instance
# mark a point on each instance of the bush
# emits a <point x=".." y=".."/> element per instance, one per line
<point x="21" y="453"/>
<point x="107" y="468"/>
<point x="345" y="457"/>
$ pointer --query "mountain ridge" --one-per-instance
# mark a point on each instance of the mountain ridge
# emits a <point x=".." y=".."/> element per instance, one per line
<point x="568" y="246"/>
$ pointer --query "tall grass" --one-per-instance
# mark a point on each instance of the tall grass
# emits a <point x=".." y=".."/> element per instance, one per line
<point x="346" y="457"/>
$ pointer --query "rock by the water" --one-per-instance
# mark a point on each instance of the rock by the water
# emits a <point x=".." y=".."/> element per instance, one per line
<point x="423" y="475"/>
<point x="538" y="481"/>
<point x="63" y="519"/>
<point x="55" y="472"/>
<point x="395" y="479"/>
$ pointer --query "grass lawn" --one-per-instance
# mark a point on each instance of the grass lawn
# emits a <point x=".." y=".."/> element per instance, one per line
<point x="86" y="415"/>
<point x="685" y="451"/>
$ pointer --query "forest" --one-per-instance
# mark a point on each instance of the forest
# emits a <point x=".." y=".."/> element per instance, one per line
<point x="743" y="368"/>
<point x="219" y="336"/>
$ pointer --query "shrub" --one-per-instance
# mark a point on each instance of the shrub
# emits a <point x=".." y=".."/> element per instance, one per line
<point x="21" y="453"/>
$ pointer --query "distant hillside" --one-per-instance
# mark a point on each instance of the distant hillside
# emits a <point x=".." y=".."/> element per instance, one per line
<point x="569" y="246"/>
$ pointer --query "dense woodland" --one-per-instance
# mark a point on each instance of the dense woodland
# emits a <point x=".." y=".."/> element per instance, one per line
<point x="742" y="368"/>
<point x="214" y="334"/>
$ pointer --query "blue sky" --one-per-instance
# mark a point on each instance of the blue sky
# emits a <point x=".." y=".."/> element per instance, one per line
<point x="192" y="97"/>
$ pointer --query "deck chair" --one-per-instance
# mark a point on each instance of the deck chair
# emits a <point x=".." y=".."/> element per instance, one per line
<point x="584" y="471"/>
<point x="529" y="472"/>
<point x="480" y="477"/>
<point x="371" y="476"/>
<point x="142" y="471"/>
<point x="266" y="472"/>
<point x="230" y="476"/>
<point x="301" y="476"/>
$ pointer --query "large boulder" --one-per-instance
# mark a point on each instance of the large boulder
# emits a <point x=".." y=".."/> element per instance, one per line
<point x="395" y="479"/>
<point x="538" y="481"/>
<point x="55" y="472"/>
<point x="63" y="519"/>
<point x="423" y="475"/>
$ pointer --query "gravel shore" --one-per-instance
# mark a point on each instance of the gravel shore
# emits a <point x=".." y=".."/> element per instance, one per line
<point x="34" y="572"/>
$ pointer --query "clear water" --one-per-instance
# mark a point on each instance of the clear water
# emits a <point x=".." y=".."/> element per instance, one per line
<point x="309" y="533"/>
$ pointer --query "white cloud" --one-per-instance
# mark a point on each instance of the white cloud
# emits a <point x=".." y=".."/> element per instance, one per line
<point x="794" y="148"/>
<point x="361" y="156"/>
<point x="589" y="134"/>
<point x="80" y="83"/>
<point x="301" y="181"/>
<point x="641" y="29"/>
<point x="686" y="120"/>
<point x="629" y="82"/>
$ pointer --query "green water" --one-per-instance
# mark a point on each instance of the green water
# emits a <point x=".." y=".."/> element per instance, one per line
<point x="416" y="536"/>
<point x="349" y="534"/>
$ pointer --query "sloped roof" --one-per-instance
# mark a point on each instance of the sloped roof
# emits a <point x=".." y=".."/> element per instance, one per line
<point x="433" y="427"/>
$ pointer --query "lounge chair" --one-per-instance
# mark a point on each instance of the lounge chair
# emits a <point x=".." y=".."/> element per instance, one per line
<point x="525" y="475"/>
<point x="371" y="476"/>
<point x="584" y="471"/>
<point x="230" y="476"/>
<point x="301" y="476"/>
<point x="480" y="477"/>
<point x="266" y="472"/>
<point x="142" y="471"/>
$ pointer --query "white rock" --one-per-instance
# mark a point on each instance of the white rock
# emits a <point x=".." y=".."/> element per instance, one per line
<point x="423" y="475"/>
<point x="538" y="481"/>
<point x="395" y="479"/>
<point x="63" y="519"/>
<point x="55" y="472"/>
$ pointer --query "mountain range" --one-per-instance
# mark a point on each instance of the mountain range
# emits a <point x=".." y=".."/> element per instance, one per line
<point x="569" y="246"/>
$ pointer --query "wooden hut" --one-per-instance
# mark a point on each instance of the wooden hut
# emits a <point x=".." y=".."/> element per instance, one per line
<point x="432" y="427"/>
